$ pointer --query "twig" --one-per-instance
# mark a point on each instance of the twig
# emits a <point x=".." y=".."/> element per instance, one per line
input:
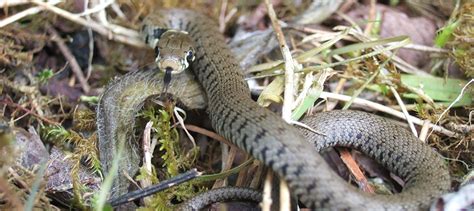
<point x="285" y="200"/>
<point x="19" y="180"/>
<point x="11" y="3"/>
<point x="346" y="6"/>
<point x="371" y="19"/>
<point x="109" y="33"/>
<point x="451" y="105"/>
<point x="355" y="170"/>
<point x="35" y="188"/>
<point x="118" y="11"/>
<point x="9" y="196"/>
<point x="210" y="134"/>
<point x="22" y="14"/>
<point x="98" y="8"/>
<point x="288" y="99"/>
<point x="425" y="48"/>
<point x="424" y="131"/>
<point x="404" y="110"/>
<point x="360" y="89"/>
<point x="180" y="119"/>
<point x="308" y="82"/>
<point x="11" y="103"/>
<point x="267" y="192"/>
<point x="147" y="155"/>
<point x="76" y="69"/>
<point x="222" y="16"/>
<point x="340" y="85"/>
<point x="91" y="51"/>
<point x="91" y="43"/>
<point x="387" y="110"/>
<point x="18" y="86"/>
<point x="345" y="155"/>
<point x="290" y="64"/>
<point x="243" y="175"/>
<point x="255" y="183"/>
<point x="132" y="196"/>
<point x="227" y="165"/>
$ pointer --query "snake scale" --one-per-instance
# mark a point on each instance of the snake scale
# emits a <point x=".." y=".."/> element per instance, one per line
<point x="282" y="147"/>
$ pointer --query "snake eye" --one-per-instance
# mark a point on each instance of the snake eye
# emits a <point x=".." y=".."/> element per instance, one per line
<point x="190" y="56"/>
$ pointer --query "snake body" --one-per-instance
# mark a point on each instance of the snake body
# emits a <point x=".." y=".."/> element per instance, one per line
<point x="283" y="148"/>
<point x="117" y="109"/>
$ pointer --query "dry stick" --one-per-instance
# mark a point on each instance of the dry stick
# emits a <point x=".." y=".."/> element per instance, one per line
<point x="289" y="64"/>
<point x="76" y="69"/>
<point x="17" y="86"/>
<point x="371" y="19"/>
<point x="88" y="11"/>
<point x="116" y="8"/>
<point x="388" y="110"/>
<point x="346" y="6"/>
<point x="231" y="155"/>
<point x="109" y="33"/>
<point x="285" y="202"/>
<point x="10" y="103"/>
<point x="345" y="155"/>
<point x="347" y="158"/>
<point x="222" y="16"/>
<point x="178" y="112"/>
<point x="10" y="197"/>
<point x="330" y="105"/>
<point x="91" y="51"/>
<point x="355" y="170"/>
<point x="404" y="110"/>
<point x="267" y="192"/>
<point x="210" y="134"/>
<point x="288" y="94"/>
<point x="22" y="14"/>
<point x="424" y="131"/>
<point x="242" y="177"/>
<point x="19" y="180"/>
<point x="147" y="155"/>
<point x="258" y="174"/>
<point x="452" y="104"/>
<point x="227" y="165"/>
<point x="100" y="15"/>
<point x="30" y="91"/>
<point x="97" y="8"/>
<point x="425" y="48"/>
<point x="10" y="3"/>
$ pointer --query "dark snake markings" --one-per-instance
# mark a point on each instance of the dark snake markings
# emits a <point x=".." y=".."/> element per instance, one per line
<point x="288" y="151"/>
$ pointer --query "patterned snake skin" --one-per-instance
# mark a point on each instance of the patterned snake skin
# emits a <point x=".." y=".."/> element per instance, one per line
<point x="284" y="148"/>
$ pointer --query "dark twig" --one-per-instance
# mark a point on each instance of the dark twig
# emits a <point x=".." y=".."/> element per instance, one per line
<point x="9" y="102"/>
<point x="76" y="69"/>
<point x="132" y="196"/>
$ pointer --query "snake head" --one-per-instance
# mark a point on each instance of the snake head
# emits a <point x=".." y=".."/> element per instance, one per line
<point x="174" y="51"/>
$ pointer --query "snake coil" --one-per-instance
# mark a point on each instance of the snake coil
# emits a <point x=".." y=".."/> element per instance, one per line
<point x="282" y="147"/>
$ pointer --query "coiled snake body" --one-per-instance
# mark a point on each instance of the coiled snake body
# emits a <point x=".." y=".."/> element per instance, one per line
<point x="285" y="149"/>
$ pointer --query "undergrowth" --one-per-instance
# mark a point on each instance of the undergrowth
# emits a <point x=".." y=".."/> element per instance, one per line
<point x="174" y="159"/>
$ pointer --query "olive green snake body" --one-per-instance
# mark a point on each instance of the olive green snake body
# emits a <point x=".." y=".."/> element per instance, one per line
<point x="280" y="146"/>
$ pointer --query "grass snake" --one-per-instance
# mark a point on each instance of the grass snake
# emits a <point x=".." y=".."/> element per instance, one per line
<point x="263" y="134"/>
